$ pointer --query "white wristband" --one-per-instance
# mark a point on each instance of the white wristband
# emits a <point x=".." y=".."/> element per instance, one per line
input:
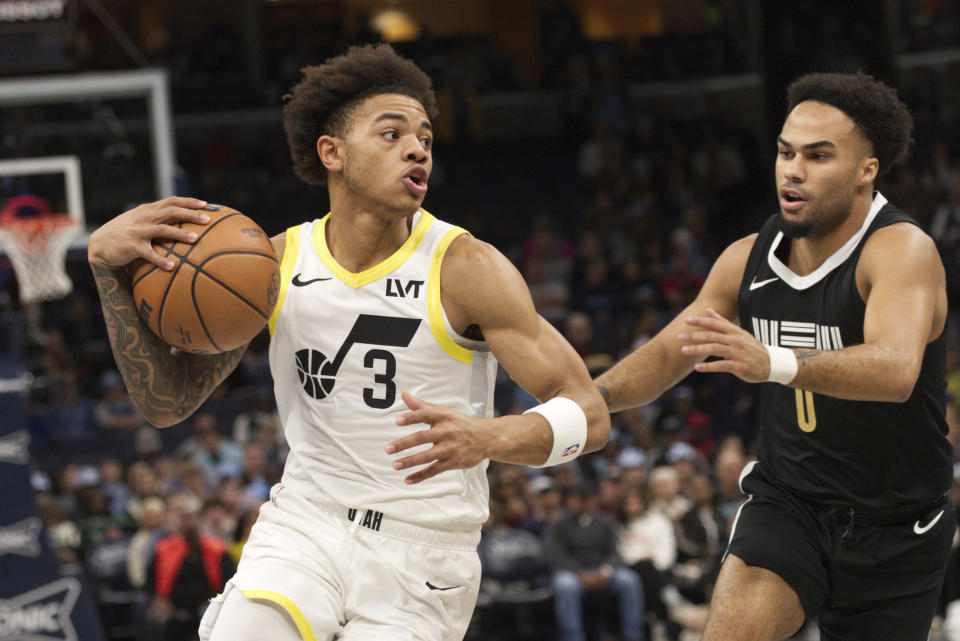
<point x="569" y="425"/>
<point x="783" y="365"/>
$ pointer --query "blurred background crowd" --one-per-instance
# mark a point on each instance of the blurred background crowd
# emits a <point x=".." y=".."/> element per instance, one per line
<point x="611" y="159"/>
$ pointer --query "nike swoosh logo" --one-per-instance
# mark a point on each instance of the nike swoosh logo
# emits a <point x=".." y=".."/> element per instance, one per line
<point x="300" y="283"/>
<point x="755" y="285"/>
<point x="922" y="529"/>
<point x="433" y="587"/>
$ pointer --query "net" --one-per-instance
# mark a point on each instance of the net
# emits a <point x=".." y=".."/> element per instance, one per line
<point x="37" y="248"/>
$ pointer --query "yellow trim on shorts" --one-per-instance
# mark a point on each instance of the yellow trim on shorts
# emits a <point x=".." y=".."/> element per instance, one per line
<point x="435" y="304"/>
<point x="291" y="250"/>
<point x="298" y="619"/>
<point x="367" y="276"/>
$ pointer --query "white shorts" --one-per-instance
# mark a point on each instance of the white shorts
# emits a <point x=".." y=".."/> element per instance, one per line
<point x="357" y="575"/>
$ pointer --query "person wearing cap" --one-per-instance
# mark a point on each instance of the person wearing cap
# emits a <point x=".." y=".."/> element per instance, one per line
<point x="547" y="504"/>
<point x="686" y="461"/>
<point x="632" y="462"/>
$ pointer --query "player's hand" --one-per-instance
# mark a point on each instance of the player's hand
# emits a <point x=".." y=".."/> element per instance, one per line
<point x="593" y="580"/>
<point x="739" y="352"/>
<point x="161" y="608"/>
<point x="458" y="440"/>
<point x="128" y="236"/>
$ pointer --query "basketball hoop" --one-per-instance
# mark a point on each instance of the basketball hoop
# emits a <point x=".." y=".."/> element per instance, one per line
<point x="37" y="247"/>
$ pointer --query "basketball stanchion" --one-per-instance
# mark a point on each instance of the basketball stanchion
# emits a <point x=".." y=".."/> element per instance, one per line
<point x="37" y="247"/>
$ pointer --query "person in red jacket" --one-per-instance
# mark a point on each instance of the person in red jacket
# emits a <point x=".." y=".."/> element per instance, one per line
<point x="187" y="569"/>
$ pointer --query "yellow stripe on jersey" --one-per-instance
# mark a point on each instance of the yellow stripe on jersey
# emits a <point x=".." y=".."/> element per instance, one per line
<point x="435" y="305"/>
<point x="290" y="252"/>
<point x="367" y="276"/>
<point x="301" y="621"/>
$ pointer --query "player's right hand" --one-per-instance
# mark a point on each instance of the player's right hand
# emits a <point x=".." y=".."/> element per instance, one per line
<point x="128" y="236"/>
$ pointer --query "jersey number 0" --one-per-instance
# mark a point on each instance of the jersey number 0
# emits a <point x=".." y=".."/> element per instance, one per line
<point x="806" y="414"/>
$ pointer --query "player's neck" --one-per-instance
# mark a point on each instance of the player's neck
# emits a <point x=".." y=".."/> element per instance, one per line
<point x="808" y="253"/>
<point x="359" y="240"/>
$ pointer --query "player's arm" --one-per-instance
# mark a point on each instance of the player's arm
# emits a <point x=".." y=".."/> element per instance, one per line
<point x="166" y="385"/>
<point x="481" y="287"/>
<point x="905" y="309"/>
<point x="659" y="364"/>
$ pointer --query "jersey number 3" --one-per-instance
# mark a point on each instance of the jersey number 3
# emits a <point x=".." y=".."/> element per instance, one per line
<point x="806" y="414"/>
<point x="319" y="375"/>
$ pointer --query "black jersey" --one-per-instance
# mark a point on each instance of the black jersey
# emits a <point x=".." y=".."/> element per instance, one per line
<point x="840" y="452"/>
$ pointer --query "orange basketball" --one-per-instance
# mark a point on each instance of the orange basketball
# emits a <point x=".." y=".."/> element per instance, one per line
<point x="221" y="291"/>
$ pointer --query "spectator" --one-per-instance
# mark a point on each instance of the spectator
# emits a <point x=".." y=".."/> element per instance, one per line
<point x="194" y="481"/>
<point x="242" y="533"/>
<point x="552" y="250"/>
<point x="111" y="482"/>
<point x="164" y="473"/>
<point x="514" y="589"/>
<point x="142" y="483"/>
<point x="69" y="417"/>
<point x="256" y="486"/>
<point x="648" y="546"/>
<point x="216" y="455"/>
<point x="686" y="461"/>
<point x="114" y="410"/>
<point x="578" y="330"/>
<point x="63" y="533"/>
<point x="547" y="504"/>
<point x="261" y="423"/>
<point x="145" y="539"/>
<point x="610" y="491"/>
<point x="671" y="431"/>
<point x="97" y="525"/>
<point x="700" y="537"/>
<point x="230" y="495"/>
<point x="550" y="296"/>
<point x="665" y="493"/>
<point x="727" y="469"/>
<point x="582" y="551"/>
<point x="217" y="520"/>
<point x="187" y="569"/>
<point x="633" y="467"/>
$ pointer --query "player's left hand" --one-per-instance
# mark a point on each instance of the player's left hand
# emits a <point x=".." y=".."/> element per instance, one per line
<point x="458" y="440"/>
<point x="739" y="352"/>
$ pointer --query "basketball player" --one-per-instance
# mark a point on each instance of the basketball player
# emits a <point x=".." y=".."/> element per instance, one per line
<point x="388" y="321"/>
<point x="837" y="306"/>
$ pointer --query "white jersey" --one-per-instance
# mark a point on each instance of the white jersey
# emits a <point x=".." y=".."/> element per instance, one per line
<point x="343" y="347"/>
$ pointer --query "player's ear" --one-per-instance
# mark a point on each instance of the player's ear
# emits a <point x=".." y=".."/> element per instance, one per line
<point x="330" y="152"/>
<point x="869" y="168"/>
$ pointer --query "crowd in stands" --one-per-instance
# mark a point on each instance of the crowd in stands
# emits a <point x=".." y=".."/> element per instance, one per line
<point x="624" y="540"/>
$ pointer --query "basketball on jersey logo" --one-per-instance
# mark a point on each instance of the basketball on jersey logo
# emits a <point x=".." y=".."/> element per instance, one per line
<point x="317" y="381"/>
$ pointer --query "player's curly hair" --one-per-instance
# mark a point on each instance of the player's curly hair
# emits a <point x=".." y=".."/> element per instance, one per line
<point x="873" y="106"/>
<point x="322" y="103"/>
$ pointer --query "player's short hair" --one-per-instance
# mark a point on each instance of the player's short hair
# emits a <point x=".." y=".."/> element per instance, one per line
<point x="323" y="101"/>
<point x="873" y="106"/>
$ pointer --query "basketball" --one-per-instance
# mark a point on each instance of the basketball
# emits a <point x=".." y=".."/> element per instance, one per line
<point x="221" y="290"/>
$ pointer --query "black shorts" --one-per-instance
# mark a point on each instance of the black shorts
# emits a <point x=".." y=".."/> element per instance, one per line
<point x="862" y="581"/>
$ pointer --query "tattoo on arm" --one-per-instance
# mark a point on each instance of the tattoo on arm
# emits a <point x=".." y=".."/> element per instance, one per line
<point x="161" y="384"/>
<point x="803" y="355"/>
<point x="605" y="393"/>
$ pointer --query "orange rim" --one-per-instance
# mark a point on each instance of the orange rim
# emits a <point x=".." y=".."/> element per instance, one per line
<point x="33" y="233"/>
